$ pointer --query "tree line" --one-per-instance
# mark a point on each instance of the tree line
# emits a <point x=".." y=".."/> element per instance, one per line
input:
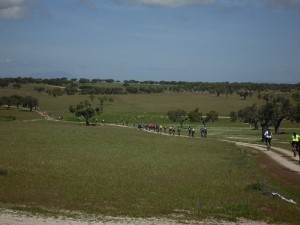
<point x="17" y="100"/>
<point x="180" y="115"/>
<point x="275" y="109"/>
<point x="88" y="86"/>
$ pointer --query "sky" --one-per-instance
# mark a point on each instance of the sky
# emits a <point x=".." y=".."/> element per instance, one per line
<point x="170" y="40"/>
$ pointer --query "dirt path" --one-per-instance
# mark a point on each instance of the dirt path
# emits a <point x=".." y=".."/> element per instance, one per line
<point x="9" y="217"/>
<point x="281" y="156"/>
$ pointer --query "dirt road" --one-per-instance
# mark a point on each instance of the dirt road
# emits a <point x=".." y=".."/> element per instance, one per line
<point x="8" y="217"/>
<point x="282" y="156"/>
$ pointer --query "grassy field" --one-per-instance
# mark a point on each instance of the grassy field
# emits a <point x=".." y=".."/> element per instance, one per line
<point x="131" y="106"/>
<point x="119" y="170"/>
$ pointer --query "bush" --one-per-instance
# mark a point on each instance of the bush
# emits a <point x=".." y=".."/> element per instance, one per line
<point x="8" y="118"/>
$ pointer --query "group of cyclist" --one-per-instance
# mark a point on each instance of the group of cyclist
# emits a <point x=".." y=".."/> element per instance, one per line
<point x="172" y="130"/>
<point x="295" y="141"/>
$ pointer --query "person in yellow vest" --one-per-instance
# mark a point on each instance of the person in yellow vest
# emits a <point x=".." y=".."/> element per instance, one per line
<point x="295" y="143"/>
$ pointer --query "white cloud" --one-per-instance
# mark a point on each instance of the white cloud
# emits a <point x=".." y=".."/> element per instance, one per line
<point x="14" y="9"/>
<point x="167" y="3"/>
<point x="89" y="5"/>
<point x="5" y="61"/>
<point x="178" y="3"/>
<point x="9" y="3"/>
<point x="11" y="62"/>
<point x="282" y="3"/>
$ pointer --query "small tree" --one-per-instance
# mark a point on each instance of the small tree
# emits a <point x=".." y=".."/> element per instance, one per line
<point x="243" y="93"/>
<point x="296" y="113"/>
<point x="211" y="116"/>
<point x="17" y="100"/>
<point x="70" y="90"/>
<point x="275" y="110"/>
<point x="30" y="102"/>
<point x="234" y="116"/>
<point x="39" y="89"/>
<point x="17" y="85"/>
<point x="12" y="100"/>
<point x="86" y="110"/>
<point x="110" y="99"/>
<point x="178" y="115"/>
<point x="272" y="113"/>
<point x="104" y="98"/>
<point x="7" y="101"/>
<point x="55" y="92"/>
<point x="84" y="81"/>
<point x="250" y="115"/>
<point x="195" y="115"/>
<point x="4" y="82"/>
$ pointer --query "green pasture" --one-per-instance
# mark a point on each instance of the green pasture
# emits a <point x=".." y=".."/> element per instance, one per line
<point x="139" y="104"/>
<point x="116" y="170"/>
<point x="113" y="169"/>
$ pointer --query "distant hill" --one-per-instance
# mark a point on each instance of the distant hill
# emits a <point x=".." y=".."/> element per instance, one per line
<point x="51" y="75"/>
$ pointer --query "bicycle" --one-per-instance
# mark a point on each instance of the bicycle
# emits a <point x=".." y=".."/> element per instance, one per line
<point x="296" y="149"/>
<point x="268" y="138"/>
<point x="268" y="143"/>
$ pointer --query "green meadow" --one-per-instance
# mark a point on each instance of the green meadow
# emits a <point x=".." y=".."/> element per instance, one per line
<point x="122" y="171"/>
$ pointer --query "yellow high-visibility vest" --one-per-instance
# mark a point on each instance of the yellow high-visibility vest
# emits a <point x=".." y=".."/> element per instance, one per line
<point x="295" y="138"/>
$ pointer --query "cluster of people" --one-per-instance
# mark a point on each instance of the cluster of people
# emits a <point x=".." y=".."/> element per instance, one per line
<point x="203" y="132"/>
<point x="295" y="141"/>
<point x="171" y="130"/>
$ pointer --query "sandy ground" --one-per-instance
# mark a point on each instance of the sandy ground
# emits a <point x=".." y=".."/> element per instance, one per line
<point x="8" y="217"/>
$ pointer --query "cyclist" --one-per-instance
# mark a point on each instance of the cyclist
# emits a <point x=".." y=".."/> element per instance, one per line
<point x="268" y="137"/>
<point x="295" y="143"/>
<point x="178" y="131"/>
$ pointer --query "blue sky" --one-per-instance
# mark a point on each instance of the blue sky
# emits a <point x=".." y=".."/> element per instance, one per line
<point x="181" y="40"/>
